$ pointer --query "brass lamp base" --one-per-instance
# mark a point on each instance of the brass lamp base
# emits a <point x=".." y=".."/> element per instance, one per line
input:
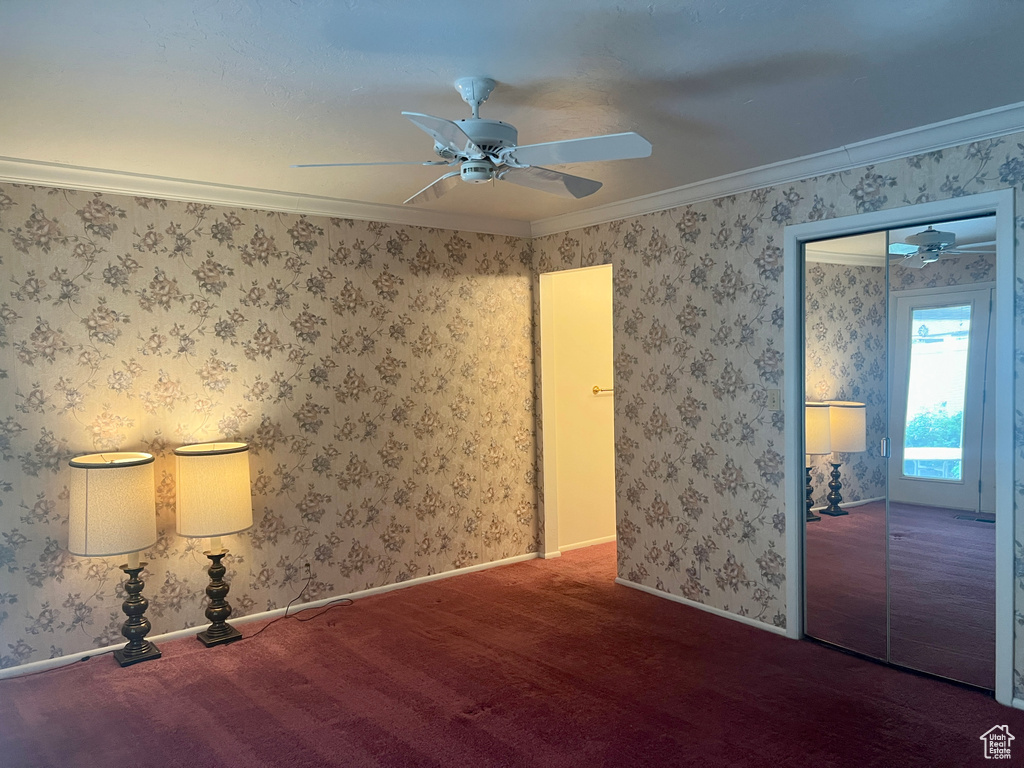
<point x="228" y="635"/>
<point x="834" y="497"/>
<point x="219" y="631"/>
<point x="126" y="658"/>
<point x="137" y="626"/>
<point x="810" y="517"/>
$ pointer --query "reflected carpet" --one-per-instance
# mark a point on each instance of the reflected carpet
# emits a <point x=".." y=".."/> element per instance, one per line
<point x="941" y="588"/>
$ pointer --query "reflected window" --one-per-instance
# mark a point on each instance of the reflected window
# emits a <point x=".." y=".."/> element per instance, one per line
<point x="933" y="440"/>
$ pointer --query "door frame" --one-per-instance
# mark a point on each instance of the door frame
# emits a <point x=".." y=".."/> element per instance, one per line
<point x="1001" y="204"/>
<point x="549" y="438"/>
<point x="980" y="363"/>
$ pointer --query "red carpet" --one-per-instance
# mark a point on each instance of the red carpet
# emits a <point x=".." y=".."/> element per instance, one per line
<point x="544" y="663"/>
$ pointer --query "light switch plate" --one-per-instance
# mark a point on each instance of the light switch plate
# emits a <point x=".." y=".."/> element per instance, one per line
<point x="774" y="400"/>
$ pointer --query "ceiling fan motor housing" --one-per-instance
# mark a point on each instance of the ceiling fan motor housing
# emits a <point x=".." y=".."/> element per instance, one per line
<point x="490" y="135"/>
<point x="932" y="239"/>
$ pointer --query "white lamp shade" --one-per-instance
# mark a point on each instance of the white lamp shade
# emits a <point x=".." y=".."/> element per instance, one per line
<point x="113" y="504"/>
<point x="848" y="426"/>
<point x="213" y="493"/>
<point x="817" y="435"/>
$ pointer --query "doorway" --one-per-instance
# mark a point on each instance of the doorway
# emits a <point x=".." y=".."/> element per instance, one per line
<point x="881" y="590"/>
<point x="941" y="358"/>
<point x="577" y="402"/>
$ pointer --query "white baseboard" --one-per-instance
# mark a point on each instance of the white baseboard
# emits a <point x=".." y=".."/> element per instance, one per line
<point x="1017" y="703"/>
<point x="694" y="604"/>
<point x="862" y="502"/>
<point x="850" y="504"/>
<point x="60" y="661"/>
<point x="549" y="555"/>
<point x="582" y="544"/>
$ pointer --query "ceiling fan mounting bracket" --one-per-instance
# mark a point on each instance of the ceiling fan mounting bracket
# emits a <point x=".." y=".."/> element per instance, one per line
<point x="475" y="91"/>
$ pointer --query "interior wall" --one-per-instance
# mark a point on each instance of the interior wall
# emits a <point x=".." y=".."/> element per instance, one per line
<point x="949" y="270"/>
<point x="698" y="342"/>
<point x="381" y="375"/>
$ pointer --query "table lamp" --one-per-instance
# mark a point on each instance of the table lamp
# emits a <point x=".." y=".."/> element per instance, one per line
<point x="817" y="442"/>
<point x="848" y="434"/>
<point x="113" y="512"/>
<point x="214" y="499"/>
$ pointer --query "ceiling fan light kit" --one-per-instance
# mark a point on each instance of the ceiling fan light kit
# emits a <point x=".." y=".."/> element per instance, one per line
<point x="487" y="150"/>
<point x="477" y="171"/>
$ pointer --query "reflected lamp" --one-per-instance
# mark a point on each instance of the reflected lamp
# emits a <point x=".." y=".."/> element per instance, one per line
<point x="817" y="442"/>
<point x="848" y="434"/>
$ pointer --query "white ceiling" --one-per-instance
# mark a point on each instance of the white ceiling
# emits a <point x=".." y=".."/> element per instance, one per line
<point x="233" y="92"/>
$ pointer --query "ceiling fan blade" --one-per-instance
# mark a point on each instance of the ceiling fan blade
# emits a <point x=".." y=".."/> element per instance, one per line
<point x="546" y="180"/>
<point x="435" y="189"/>
<point x="616" y="146"/>
<point x="912" y="262"/>
<point x="350" y="165"/>
<point x="445" y="133"/>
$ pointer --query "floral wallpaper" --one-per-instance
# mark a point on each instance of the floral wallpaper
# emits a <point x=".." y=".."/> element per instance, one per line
<point x="380" y="374"/>
<point x="845" y="359"/>
<point x="949" y="270"/>
<point x="385" y="378"/>
<point x="697" y="301"/>
<point x="698" y="340"/>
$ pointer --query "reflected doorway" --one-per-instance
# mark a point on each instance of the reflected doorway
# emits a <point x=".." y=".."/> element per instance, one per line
<point x="941" y="360"/>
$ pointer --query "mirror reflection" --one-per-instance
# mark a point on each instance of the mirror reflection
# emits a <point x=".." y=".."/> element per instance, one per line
<point x="899" y="532"/>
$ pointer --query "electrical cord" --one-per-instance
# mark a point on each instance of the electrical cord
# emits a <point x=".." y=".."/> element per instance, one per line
<point x="340" y="601"/>
<point x="345" y="601"/>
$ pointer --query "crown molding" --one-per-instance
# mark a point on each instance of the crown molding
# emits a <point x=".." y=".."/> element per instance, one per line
<point x="989" y="124"/>
<point x="949" y="133"/>
<point x="846" y="259"/>
<point x="33" y="172"/>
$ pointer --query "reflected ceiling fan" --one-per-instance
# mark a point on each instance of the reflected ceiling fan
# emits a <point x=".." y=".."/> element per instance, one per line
<point x="486" y="150"/>
<point x="929" y="245"/>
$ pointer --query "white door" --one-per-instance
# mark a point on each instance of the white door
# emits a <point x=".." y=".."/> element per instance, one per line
<point x="940" y="342"/>
<point x="578" y="424"/>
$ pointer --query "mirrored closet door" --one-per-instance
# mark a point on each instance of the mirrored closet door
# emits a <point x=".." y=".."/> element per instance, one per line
<point x="899" y="556"/>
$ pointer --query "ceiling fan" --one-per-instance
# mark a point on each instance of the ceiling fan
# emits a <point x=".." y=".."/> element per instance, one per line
<point x="929" y="245"/>
<point x="486" y="150"/>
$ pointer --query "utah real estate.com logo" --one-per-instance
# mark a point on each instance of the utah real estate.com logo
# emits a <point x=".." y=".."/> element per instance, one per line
<point x="997" y="742"/>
